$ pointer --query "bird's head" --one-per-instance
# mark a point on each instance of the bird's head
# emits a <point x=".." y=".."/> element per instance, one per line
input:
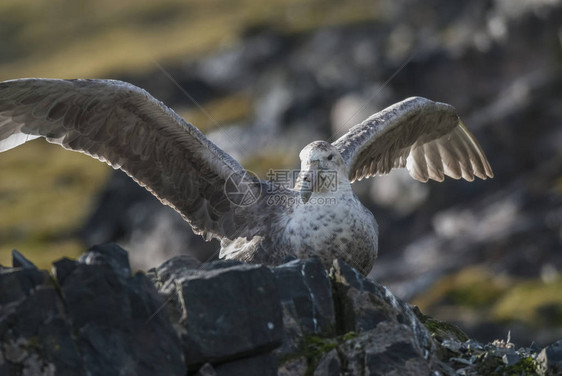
<point x="323" y="170"/>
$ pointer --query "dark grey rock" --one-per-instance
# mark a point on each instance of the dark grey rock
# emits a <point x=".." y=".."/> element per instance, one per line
<point x="261" y="365"/>
<point x="378" y="334"/>
<point x="63" y="268"/>
<point x="220" y="264"/>
<point x="228" y="313"/>
<point x="19" y="283"/>
<point x="389" y="349"/>
<point x="117" y="317"/>
<point x="362" y="304"/>
<point x="510" y="359"/>
<point x="550" y="359"/>
<point x="206" y="370"/>
<point x="108" y="254"/>
<point x="164" y="278"/>
<point x="95" y="294"/>
<point x="19" y="261"/>
<point x="296" y="366"/>
<point x="329" y="365"/>
<point x="306" y="299"/>
<point x="171" y="270"/>
<point x="36" y="335"/>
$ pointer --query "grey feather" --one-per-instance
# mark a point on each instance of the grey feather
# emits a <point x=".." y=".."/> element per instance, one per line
<point x="124" y="126"/>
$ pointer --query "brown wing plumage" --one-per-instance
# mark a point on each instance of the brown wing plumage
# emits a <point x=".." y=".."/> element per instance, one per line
<point x="426" y="137"/>
<point x="124" y="126"/>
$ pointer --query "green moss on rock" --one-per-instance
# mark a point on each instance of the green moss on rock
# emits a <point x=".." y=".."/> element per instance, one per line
<point x="440" y="330"/>
<point x="314" y="348"/>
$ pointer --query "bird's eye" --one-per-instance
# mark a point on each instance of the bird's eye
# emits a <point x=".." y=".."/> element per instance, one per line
<point x="330" y="157"/>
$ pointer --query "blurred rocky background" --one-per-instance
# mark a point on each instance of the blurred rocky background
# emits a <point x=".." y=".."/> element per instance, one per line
<point x="265" y="79"/>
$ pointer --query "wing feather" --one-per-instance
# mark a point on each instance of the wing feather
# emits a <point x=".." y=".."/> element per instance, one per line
<point x="451" y="164"/>
<point x="124" y="126"/>
<point x="426" y="137"/>
<point x="418" y="169"/>
<point x="480" y="164"/>
<point x="434" y="162"/>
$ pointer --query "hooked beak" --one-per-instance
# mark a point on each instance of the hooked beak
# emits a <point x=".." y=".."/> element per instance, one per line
<point x="306" y="188"/>
<point x="307" y="183"/>
<point x="305" y="194"/>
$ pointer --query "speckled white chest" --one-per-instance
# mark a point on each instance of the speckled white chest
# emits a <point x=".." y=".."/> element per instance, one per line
<point x="332" y="226"/>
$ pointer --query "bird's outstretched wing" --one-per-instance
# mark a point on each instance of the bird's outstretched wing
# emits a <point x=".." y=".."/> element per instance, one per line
<point x="428" y="138"/>
<point x="126" y="127"/>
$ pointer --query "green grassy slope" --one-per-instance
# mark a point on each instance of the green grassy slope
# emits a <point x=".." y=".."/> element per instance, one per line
<point x="97" y="38"/>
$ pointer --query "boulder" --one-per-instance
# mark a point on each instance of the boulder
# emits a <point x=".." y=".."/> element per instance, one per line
<point x="225" y="309"/>
<point x="388" y="349"/>
<point x="362" y="304"/>
<point x="305" y="292"/>
<point x="550" y="359"/>
<point x="329" y="364"/>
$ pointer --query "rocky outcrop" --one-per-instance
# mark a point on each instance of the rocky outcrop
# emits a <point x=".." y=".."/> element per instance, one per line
<point x="92" y="317"/>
